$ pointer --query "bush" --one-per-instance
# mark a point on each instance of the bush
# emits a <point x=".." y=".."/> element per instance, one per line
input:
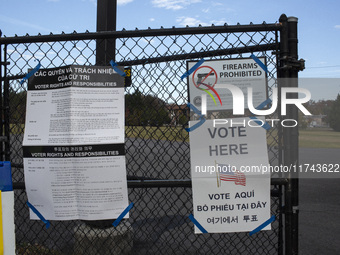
<point x="334" y="116"/>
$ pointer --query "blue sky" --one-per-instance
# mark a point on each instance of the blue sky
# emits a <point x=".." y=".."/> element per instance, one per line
<point x="319" y="23"/>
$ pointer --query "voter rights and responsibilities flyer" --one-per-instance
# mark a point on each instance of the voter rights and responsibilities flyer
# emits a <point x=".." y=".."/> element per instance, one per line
<point x="74" y="157"/>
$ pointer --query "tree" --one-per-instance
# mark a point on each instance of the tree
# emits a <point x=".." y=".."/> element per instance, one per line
<point x="144" y="110"/>
<point x="334" y="116"/>
<point x="183" y="119"/>
<point x="17" y="106"/>
<point x="303" y="122"/>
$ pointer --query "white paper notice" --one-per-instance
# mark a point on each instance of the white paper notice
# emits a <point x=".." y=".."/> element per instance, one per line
<point x="74" y="156"/>
<point x="229" y="193"/>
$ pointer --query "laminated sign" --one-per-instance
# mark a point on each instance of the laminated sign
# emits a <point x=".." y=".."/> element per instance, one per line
<point x="231" y="192"/>
<point x="74" y="158"/>
<point x="209" y="79"/>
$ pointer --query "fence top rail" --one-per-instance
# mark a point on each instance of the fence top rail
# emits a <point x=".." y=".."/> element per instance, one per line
<point x="142" y="33"/>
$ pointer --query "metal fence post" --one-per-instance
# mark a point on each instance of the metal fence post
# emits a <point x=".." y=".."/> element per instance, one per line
<point x="106" y="21"/>
<point x="6" y="114"/>
<point x="289" y="67"/>
<point x="1" y="102"/>
<point x="296" y="67"/>
<point x="283" y="74"/>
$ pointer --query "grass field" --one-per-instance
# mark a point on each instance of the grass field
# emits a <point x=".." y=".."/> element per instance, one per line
<point x="313" y="138"/>
<point x="161" y="133"/>
<point x="319" y="138"/>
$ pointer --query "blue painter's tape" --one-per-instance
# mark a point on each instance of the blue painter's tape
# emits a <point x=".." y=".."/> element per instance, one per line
<point x="200" y="227"/>
<point x="115" y="67"/>
<point x="263" y="104"/>
<point x="35" y="69"/>
<point x="192" y="69"/>
<point x="38" y="214"/>
<point x="201" y="119"/>
<point x="192" y="107"/>
<point x="197" y="125"/>
<point x="259" y="62"/>
<point x="264" y="224"/>
<point x="121" y="216"/>
<point x="266" y="126"/>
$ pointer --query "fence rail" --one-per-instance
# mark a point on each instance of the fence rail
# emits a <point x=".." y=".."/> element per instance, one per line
<point x="142" y="33"/>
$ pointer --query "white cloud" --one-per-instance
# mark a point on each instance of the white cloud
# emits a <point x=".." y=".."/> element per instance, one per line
<point x="337" y="26"/>
<point x="218" y="22"/>
<point x="18" y="22"/>
<point x="173" y="4"/>
<point x="189" y="21"/>
<point x="217" y="4"/>
<point x="194" y="22"/>
<point x="152" y="19"/>
<point x="123" y="2"/>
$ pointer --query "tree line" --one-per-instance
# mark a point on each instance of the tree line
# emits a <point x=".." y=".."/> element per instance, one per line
<point x="141" y="110"/>
<point x="329" y="109"/>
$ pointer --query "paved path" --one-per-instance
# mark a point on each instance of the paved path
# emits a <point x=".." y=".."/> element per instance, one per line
<point x="319" y="228"/>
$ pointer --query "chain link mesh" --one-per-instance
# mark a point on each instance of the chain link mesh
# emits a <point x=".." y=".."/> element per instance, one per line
<point x="157" y="146"/>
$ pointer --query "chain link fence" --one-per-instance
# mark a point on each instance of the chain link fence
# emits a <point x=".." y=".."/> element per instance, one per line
<point x="157" y="146"/>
